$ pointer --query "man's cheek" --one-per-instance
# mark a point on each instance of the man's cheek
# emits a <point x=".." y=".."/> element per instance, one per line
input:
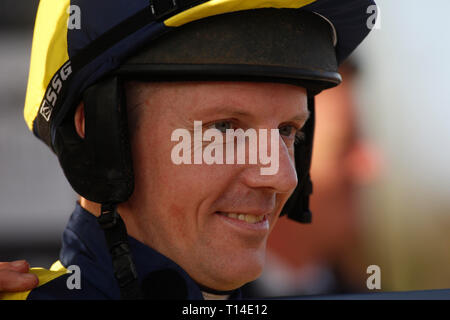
<point x="178" y="217"/>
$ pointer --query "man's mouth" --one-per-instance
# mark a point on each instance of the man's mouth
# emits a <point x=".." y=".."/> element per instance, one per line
<point x="250" y="218"/>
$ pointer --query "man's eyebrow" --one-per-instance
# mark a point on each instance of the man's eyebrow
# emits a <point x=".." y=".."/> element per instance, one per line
<point x="302" y="116"/>
<point x="233" y="111"/>
<point x="225" y="110"/>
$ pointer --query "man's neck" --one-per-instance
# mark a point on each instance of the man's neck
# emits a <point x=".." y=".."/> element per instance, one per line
<point x="132" y="226"/>
<point x="92" y="207"/>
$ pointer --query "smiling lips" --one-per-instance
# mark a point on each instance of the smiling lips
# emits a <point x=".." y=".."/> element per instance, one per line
<point x="250" y="218"/>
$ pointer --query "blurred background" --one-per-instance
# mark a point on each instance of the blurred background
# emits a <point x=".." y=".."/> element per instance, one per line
<point x="381" y="164"/>
<point x="35" y="199"/>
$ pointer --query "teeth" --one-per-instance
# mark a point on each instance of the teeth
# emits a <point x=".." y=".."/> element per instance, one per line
<point x="250" y="218"/>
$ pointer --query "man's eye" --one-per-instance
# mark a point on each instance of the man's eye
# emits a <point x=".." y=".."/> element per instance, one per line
<point x="286" y="131"/>
<point x="222" y="126"/>
<point x="291" y="132"/>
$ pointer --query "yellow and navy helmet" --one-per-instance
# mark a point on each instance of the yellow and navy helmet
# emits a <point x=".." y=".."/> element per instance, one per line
<point x="83" y="50"/>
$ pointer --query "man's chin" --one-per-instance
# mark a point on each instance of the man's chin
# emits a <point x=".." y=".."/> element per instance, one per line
<point x="239" y="273"/>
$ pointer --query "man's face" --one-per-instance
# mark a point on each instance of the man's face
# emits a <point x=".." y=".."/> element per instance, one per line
<point x="183" y="211"/>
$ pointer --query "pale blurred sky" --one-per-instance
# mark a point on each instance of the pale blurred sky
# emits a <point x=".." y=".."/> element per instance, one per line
<point x="405" y="92"/>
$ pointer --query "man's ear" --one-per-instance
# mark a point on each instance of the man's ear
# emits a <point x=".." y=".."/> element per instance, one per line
<point x="79" y="120"/>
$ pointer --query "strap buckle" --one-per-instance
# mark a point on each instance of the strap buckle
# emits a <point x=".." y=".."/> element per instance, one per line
<point x="161" y="9"/>
<point x="108" y="217"/>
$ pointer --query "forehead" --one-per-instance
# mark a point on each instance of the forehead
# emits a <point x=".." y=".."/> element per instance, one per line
<point x="195" y="99"/>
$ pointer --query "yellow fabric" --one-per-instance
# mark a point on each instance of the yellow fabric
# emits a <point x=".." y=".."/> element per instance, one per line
<point x="44" y="276"/>
<point x="215" y="7"/>
<point x="48" y="53"/>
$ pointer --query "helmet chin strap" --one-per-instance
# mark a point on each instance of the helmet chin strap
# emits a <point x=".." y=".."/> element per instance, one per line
<point x="117" y="241"/>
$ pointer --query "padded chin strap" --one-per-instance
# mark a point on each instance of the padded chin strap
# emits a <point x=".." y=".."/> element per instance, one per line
<point x="99" y="167"/>
<point x="297" y="207"/>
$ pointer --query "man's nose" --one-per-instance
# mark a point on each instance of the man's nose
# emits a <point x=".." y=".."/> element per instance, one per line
<point x="280" y="177"/>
